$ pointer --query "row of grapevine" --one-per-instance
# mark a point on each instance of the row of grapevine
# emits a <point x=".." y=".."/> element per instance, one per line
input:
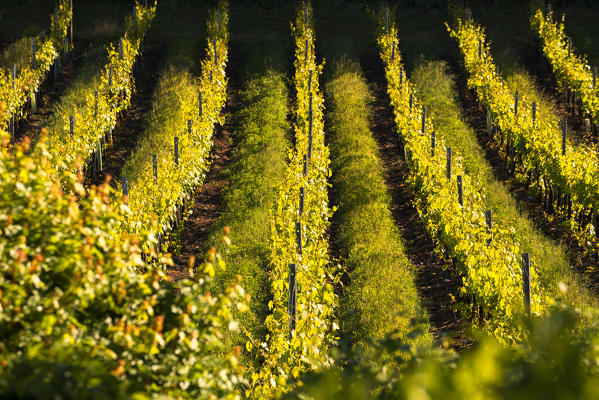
<point x="569" y="68"/>
<point x="17" y="87"/>
<point x="530" y="137"/>
<point x="172" y="157"/>
<point x="453" y="208"/>
<point x="77" y="128"/>
<point x="302" y="325"/>
<point x="436" y="87"/>
<point x="81" y="316"/>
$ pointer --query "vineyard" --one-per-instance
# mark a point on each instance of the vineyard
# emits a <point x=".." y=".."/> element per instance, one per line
<point x="299" y="200"/>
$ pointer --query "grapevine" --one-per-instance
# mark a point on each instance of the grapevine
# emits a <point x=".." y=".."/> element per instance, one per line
<point x="76" y="296"/>
<point x="15" y="93"/>
<point x="95" y="115"/>
<point x="291" y="352"/>
<point x="570" y="69"/>
<point x="559" y="170"/>
<point x="488" y="260"/>
<point x="191" y="109"/>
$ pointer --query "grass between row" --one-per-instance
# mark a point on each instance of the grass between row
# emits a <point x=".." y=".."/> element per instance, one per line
<point x="437" y="89"/>
<point x="256" y="171"/>
<point x="380" y="299"/>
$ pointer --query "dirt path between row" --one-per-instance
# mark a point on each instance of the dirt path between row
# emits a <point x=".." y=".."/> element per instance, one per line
<point x="207" y="203"/>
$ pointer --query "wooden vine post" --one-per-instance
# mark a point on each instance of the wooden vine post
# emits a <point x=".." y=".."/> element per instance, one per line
<point x="96" y="104"/>
<point x="306" y="53"/>
<point x="526" y="281"/>
<point x="298" y="236"/>
<point x="564" y="131"/>
<point x="460" y="191"/>
<point x="449" y="163"/>
<point x="176" y="145"/>
<point x="125" y="191"/>
<point x="305" y="171"/>
<point x="200" y="107"/>
<point x="310" y="120"/>
<point x="155" y="167"/>
<point x="292" y="296"/>
<point x="302" y="194"/>
<point x="99" y="156"/>
<point x="489" y="221"/>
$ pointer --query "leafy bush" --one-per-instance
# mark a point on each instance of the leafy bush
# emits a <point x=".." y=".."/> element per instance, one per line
<point x="78" y="307"/>
<point x="114" y="85"/>
<point x="488" y="261"/>
<point x="176" y="113"/>
<point x="557" y="362"/>
<point x="568" y="177"/>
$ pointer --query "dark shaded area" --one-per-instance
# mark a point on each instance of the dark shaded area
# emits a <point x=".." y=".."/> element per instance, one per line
<point x="23" y="18"/>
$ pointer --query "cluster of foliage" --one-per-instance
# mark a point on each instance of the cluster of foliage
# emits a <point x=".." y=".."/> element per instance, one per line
<point x="95" y="112"/>
<point x="558" y="361"/>
<point x="290" y="352"/>
<point x="437" y="88"/>
<point x="570" y="69"/>
<point x="185" y="109"/>
<point x="81" y="315"/>
<point x="537" y="146"/>
<point x="14" y="94"/>
<point x="379" y="299"/>
<point x="488" y="260"/>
